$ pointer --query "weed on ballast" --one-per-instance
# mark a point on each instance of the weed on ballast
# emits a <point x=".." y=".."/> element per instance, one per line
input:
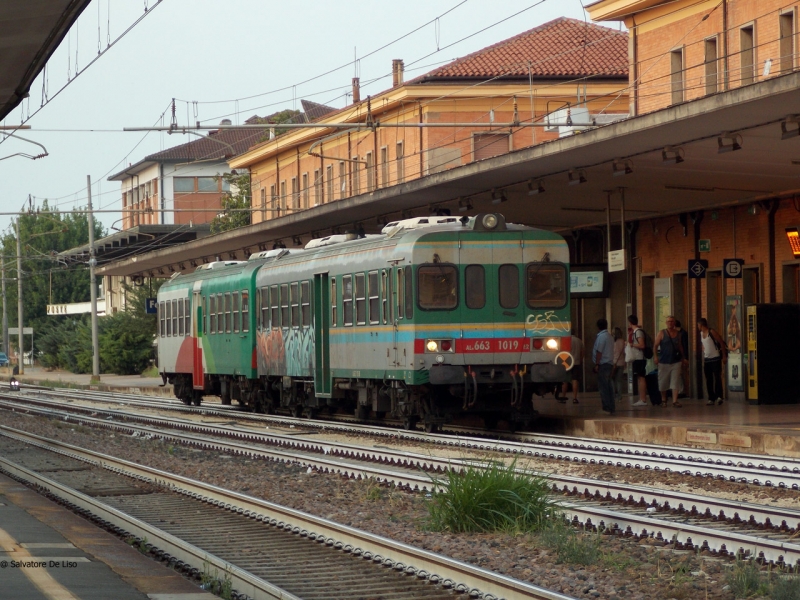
<point x="786" y="588"/>
<point x="746" y="580"/>
<point x="494" y="498"/>
<point x="570" y="546"/>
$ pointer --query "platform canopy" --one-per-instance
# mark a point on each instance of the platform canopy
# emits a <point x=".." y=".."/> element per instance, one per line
<point x="30" y="31"/>
<point x="727" y="148"/>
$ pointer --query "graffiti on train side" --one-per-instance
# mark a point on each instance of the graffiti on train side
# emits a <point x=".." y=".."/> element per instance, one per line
<point x="286" y="351"/>
<point x="546" y="321"/>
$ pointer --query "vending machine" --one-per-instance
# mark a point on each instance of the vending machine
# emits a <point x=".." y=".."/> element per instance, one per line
<point x="773" y="353"/>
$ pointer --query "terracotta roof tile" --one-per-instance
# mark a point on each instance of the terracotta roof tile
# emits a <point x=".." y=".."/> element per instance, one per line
<point x="560" y="48"/>
<point x="219" y="144"/>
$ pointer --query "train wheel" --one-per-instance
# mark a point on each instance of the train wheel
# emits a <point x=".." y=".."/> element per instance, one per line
<point x="431" y="428"/>
<point x="197" y="398"/>
<point x="410" y="423"/>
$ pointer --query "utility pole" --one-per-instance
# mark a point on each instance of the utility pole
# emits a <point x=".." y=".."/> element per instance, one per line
<point x="19" y="304"/>
<point x="93" y="284"/>
<point x="5" y="314"/>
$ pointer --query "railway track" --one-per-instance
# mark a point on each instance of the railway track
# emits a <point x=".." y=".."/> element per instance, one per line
<point x="258" y="548"/>
<point x="689" y="520"/>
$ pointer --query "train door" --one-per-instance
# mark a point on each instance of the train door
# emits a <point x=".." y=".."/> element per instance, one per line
<point x="475" y="339"/>
<point x="198" y="382"/>
<point x="402" y="331"/>
<point x="509" y="309"/>
<point x="322" y="321"/>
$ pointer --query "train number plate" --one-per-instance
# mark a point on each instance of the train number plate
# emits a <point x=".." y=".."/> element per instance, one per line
<point x="474" y="346"/>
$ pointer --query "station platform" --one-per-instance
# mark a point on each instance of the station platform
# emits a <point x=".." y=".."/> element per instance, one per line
<point x="50" y="553"/>
<point x="734" y="426"/>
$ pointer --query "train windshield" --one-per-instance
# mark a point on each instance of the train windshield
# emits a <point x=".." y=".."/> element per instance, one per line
<point x="437" y="287"/>
<point x="546" y="285"/>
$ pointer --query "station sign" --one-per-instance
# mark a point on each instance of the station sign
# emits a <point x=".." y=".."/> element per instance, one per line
<point x="732" y="268"/>
<point x="616" y="260"/>
<point x="697" y="268"/>
<point x="151" y="306"/>
<point x="704" y="245"/>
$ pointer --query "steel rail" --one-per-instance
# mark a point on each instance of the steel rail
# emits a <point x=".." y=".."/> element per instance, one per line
<point x="676" y="504"/>
<point x="475" y="579"/>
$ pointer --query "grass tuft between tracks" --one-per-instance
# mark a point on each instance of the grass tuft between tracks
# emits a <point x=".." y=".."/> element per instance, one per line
<point x="495" y="498"/>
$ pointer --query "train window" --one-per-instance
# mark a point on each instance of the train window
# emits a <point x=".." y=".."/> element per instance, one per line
<point x="264" y="308"/>
<point x="220" y="313"/>
<point x="168" y="318"/>
<point x="475" y="286"/>
<point x="275" y="307"/>
<point x="236" y="312"/>
<point x="161" y="328"/>
<point x="334" y="316"/>
<point x="187" y="315"/>
<point x="437" y="287"/>
<point x="285" y="305"/>
<point x="295" y="297"/>
<point x="401" y="296"/>
<point x="374" y="299"/>
<point x="259" y="307"/>
<point x="305" y="303"/>
<point x="212" y="314"/>
<point x="409" y="294"/>
<point x="361" y="300"/>
<point x="175" y="317"/>
<point x="228" y="319"/>
<point x="347" y="300"/>
<point x="181" y="330"/>
<point x="385" y="303"/>
<point x="245" y="311"/>
<point x="546" y="285"/>
<point x="509" y="286"/>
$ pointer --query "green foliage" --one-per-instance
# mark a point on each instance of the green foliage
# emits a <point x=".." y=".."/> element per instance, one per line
<point x="746" y="579"/>
<point x="570" y="547"/>
<point x="63" y="344"/>
<point x="235" y="204"/>
<point x="786" y="588"/>
<point x="495" y="498"/>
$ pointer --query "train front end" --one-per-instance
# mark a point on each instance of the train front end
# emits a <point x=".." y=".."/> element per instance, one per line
<point x="493" y="327"/>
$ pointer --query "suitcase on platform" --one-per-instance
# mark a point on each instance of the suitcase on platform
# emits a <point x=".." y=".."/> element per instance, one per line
<point x="652" y="388"/>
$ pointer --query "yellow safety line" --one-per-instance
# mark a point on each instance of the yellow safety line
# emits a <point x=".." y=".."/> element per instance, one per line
<point x="37" y="576"/>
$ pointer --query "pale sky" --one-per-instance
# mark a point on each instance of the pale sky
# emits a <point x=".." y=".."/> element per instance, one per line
<point x="233" y="58"/>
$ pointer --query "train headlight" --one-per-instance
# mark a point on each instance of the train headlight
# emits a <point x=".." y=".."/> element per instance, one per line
<point x="489" y="221"/>
<point x="432" y="346"/>
<point x="552" y="344"/>
<point x="445" y="346"/>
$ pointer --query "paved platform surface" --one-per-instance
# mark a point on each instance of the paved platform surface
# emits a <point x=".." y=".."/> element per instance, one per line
<point x="49" y="553"/>
<point x="735" y="426"/>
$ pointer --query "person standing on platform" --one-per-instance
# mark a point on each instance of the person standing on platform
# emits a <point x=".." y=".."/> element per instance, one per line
<point x="634" y="356"/>
<point x="619" y="363"/>
<point x="685" y="384"/>
<point x="669" y="360"/>
<point x="714" y="356"/>
<point x="575" y="374"/>
<point x="603" y="357"/>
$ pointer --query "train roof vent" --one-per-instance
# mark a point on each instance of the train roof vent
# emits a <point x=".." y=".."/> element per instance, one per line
<point x="418" y="222"/>
<point x="276" y="253"/>
<point x="336" y="239"/>
<point x="219" y="264"/>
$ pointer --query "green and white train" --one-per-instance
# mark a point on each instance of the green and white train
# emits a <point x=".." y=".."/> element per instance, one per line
<point x="433" y="318"/>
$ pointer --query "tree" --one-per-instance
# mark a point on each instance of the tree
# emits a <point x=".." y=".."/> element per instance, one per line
<point x="235" y="203"/>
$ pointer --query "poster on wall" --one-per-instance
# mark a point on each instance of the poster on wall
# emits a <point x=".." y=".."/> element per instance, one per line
<point x="662" y="291"/>
<point x="733" y="337"/>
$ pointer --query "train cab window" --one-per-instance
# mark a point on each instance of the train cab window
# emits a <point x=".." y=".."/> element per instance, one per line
<point x="361" y="299"/>
<point x="385" y="297"/>
<point x="285" y="305"/>
<point x="295" y="298"/>
<point x="275" y="307"/>
<point x="437" y="287"/>
<point x="508" y="285"/>
<point x="347" y="300"/>
<point x="409" y="294"/>
<point x="374" y="299"/>
<point x="212" y="314"/>
<point x="245" y="311"/>
<point x="228" y="319"/>
<point x="546" y="285"/>
<point x="401" y="296"/>
<point x="174" y="317"/>
<point x="475" y="286"/>
<point x="236" y="312"/>
<point x="305" y="303"/>
<point x="334" y="305"/>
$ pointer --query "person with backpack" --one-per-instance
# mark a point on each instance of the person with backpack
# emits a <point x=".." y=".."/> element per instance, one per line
<point x="636" y="359"/>
<point x="670" y="359"/>
<point x="715" y="353"/>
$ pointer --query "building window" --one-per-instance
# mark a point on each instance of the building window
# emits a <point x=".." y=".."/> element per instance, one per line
<point x="676" y="75"/>
<point x="305" y="191"/>
<point x="342" y="180"/>
<point x="295" y="194"/>
<point x="787" y="42"/>
<point x="273" y="198"/>
<point x="401" y="166"/>
<point x="208" y="185"/>
<point x="330" y="182"/>
<point x="317" y="187"/>
<point x="182" y="185"/>
<point x="356" y="170"/>
<point x="384" y="166"/>
<point x="263" y="204"/>
<point x="747" y="54"/>
<point x="282" y="199"/>
<point x="711" y="66"/>
<point x="370" y="172"/>
<point x="484" y="145"/>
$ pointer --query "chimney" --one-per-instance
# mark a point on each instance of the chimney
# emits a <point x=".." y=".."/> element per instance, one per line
<point x="356" y="90"/>
<point x="397" y="72"/>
